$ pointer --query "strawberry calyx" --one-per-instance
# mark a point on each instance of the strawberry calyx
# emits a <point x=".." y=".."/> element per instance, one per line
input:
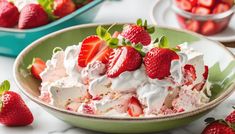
<point x="47" y="5"/>
<point x="149" y="29"/>
<point x="4" y="87"/>
<point x="163" y="42"/>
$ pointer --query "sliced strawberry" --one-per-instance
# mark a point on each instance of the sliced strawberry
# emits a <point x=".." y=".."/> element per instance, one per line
<point x="134" y="107"/>
<point x="90" y="47"/>
<point x="193" y="25"/>
<point x="123" y="59"/>
<point x="158" y="62"/>
<point x="201" y="10"/>
<point x="205" y="74"/>
<point x="87" y="109"/>
<point x="208" y="28"/>
<point x="184" y="5"/>
<point x="220" y="8"/>
<point x="189" y="74"/>
<point x="181" y="21"/>
<point x="63" y="7"/>
<point x="229" y="2"/>
<point x="37" y="67"/>
<point x="193" y="2"/>
<point x="103" y="55"/>
<point x="207" y="3"/>
<point x="32" y="15"/>
<point x="222" y="24"/>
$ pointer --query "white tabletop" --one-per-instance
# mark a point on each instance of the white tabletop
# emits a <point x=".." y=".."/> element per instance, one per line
<point x="112" y="11"/>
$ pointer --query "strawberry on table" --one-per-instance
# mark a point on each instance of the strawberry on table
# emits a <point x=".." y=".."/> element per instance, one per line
<point x="123" y="59"/>
<point x="13" y="110"/>
<point x="37" y="67"/>
<point x="63" y="7"/>
<point x="231" y="118"/>
<point x="134" y="107"/>
<point x="138" y="33"/>
<point x="32" y="15"/>
<point x="9" y="14"/>
<point x="218" y="127"/>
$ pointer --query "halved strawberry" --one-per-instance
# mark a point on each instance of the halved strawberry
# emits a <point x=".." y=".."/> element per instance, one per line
<point x="63" y="7"/>
<point x="207" y="3"/>
<point x="205" y="74"/>
<point x="201" y="10"/>
<point x="189" y="74"/>
<point x="229" y="2"/>
<point x="134" y="107"/>
<point x="193" y="25"/>
<point x="208" y="28"/>
<point x="103" y="55"/>
<point x="123" y="59"/>
<point x="37" y="67"/>
<point x="90" y="47"/>
<point x="220" y="8"/>
<point x="184" y="5"/>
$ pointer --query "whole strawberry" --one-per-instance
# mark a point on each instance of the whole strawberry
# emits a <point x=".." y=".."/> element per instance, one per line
<point x="231" y="118"/>
<point x="138" y="33"/>
<point x="218" y="127"/>
<point x="31" y="16"/>
<point x="158" y="62"/>
<point x="14" y="111"/>
<point x="9" y="14"/>
<point x="63" y="7"/>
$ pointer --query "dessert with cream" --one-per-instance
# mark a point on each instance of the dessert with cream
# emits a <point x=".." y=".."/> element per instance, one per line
<point x="126" y="74"/>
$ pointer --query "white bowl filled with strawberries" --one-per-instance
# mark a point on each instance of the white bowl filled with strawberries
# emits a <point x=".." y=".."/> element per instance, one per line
<point x="207" y="17"/>
<point x="26" y="14"/>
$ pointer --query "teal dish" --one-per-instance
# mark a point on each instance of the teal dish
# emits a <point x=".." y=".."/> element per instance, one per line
<point x="13" y="41"/>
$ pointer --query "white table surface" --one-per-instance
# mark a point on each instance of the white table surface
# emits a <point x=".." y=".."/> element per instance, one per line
<point x="112" y="11"/>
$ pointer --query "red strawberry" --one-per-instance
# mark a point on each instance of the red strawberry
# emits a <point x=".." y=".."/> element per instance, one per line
<point x="189" y="74"/>
<point x="13" y="110"/>
<point x="184" y="5"/>
<point x="32" y="15"/>
<point x="181" y="20"/>
<point x="90" y="47"/>
<point x="63" y="7"/>
<point x="9" y="14"/>
<point x="207" y="3"/>
<point x="205" y="74"/>
<point x="123" y="59"/>
<point x="37" y="67"/>
<point x="87" y="109"/>
<point x="231" y="118"/>
<point x="136" y="34"/>
<point x="208" y="28"/>
<point x="193" y="25"/>
<point x="134" y="107"/>
<point x="201" y="10"/>
<point x="218" y="128"/>
<point x="220" y="8"/>
<point x="103" y="55"/>
<point x="115" y="34"/>
<point x="158" y="62"/>
<point x="193" y="2"/>
<point x="229" y="2"/>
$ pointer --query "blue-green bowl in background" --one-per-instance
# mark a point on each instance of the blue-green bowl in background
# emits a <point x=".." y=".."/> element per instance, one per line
<point x="13" y="40"/>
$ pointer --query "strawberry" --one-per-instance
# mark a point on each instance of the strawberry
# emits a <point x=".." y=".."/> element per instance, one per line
<point x="181" y="20"/>
<point x="201" y="10"/>
<point x="123" y="59"/>
<point x="220" y="8"/>
<point x="193" y="25"/>
<point x="207" y="3"/>
<point x="158" y="62"/>
<point x="218" y="128"/>
<point x="229" y="2"/>
<point x="206" y="73"/>
<point x="208" y="28"/>
<point x="136" y="34"/>
<point x="90" y="47"/>
<point x="32" y="15"/>
<point x="9" y="14"/>
<point x="103" y="55"/>
<point x="115" y="34"/>
<point x="37" y="67"/>
<point x="63" y="7"/>
<point x="231" y="118"/>
<point x="193" y="2"/>
<point x="184" y="5"/>
<point x="13" y="110"/>
<point x="134" y="107"/>
<point x="189" y="74"/>
<point x="87" y="109"/>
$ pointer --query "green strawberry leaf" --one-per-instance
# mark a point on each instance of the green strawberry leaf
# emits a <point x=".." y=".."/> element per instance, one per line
<point x="175" y="49"/>
<point x="139" y="47"/>
<point x="5" y="86"/>
<point x="145" y="24"/>
<point x="150" y="29"/>
<point x="139" y="22"/>
<point x="163" y="42"/>
<point x="113" y="42"/>
<point x="57" y="49"/>
<point x="103" y="33"/>
<point x="48" y="7"/>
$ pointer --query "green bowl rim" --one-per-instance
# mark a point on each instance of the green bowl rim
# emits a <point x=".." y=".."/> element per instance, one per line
<point x="204" y="108"/>
<point x="54" y="23"/>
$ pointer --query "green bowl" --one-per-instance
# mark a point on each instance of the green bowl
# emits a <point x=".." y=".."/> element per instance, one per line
<point x="220" y="60"/>
<point x="13" y="40"/>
